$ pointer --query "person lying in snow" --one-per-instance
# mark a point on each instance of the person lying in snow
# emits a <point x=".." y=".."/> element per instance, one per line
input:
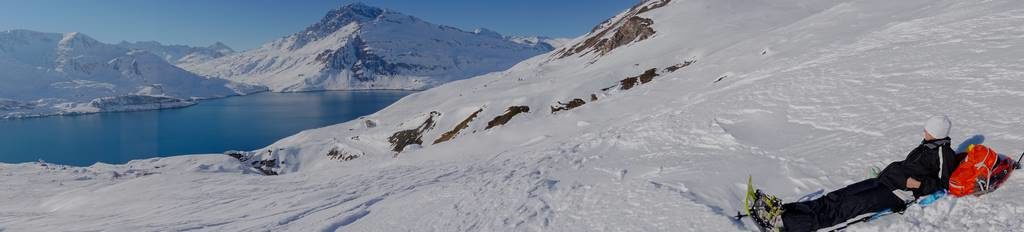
<point x="925" y="170"/>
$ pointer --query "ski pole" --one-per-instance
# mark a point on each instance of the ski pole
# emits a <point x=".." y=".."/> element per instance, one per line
<point x="1018" y="165"/>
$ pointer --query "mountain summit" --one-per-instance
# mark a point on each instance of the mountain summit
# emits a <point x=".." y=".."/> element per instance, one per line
<point x="363" y="47"/>
<point x="339" y="18"/>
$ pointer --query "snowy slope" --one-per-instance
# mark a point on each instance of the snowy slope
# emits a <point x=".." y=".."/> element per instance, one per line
<point x="363" y="47"/>
<point x="52" y="73"/>
<point x="181" y="55"/>
<point x="805" y="95"/>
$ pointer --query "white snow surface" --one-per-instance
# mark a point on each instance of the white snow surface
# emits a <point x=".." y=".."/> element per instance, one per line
<point x="363" y="47"/>
<point x="804" y="95"/>
<point x="53" y="73"/>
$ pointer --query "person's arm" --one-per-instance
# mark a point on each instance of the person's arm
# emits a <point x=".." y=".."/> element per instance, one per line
<point x="897" y="173"/>
<point x="894" y="176"/>
<point x="928" y="186"/>
<point x="926" y="170"/>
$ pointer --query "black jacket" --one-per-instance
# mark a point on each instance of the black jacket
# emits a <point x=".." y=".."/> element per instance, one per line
<point x="925" y="165"/>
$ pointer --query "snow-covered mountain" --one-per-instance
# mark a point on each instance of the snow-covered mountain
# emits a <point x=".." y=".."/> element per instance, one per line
<point x="363" y="47"/>
<point x="552" y="43"/>
<point x="53" y="73"/>
<point x="181" y="55"/>
<point x="651" y="122"/>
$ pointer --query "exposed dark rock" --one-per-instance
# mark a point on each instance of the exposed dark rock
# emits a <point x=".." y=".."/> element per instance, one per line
<point x="370" y="123"/>
<point x="358" y="58"/>
<point x="237" y="155"/>
<point x="645" y="6"/>
<point x="455" y="131"/>
<point x="326" y="56"/>
<point x="630" y="82"/>
<point x="673" y="68"/>
<point x="251" y="159"/>
<point x="335" y="20"/>
<point x="627" y="29"/>
<point x="568" y="106"/>
<point x="132" y="173"/>
<point x="634" y="29"/>
<point x="593" y="97"/>
<point x="336" y="154"/>
<point x="648" y="76"/>
<point x="272" y="163"/>
<point x="509" y="114"/>
<point x="721" y="78"/>
<point x="128" y="100"/>
<point x="404" y="138"/>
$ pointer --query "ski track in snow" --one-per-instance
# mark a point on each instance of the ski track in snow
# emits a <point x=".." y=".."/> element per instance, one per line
<point x="844" y="87"/>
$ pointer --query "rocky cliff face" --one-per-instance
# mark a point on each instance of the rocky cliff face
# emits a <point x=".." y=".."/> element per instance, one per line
<point x="623" y="29"/>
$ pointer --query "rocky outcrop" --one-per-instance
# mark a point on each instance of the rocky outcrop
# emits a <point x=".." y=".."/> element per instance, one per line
<point x="571" y="105"/>
<point x="359" y="59"/>
<point x="404" y="138"/>
<point x="337" y="154"/>
<point x="627" y="28"/>
<point x="673" y="68"/>
<point x="624" y="84"/>
<point x="509" y="114"/>
<point x="256" y="162"/>
<point x="134" y="100"/>
<point x="458" y="128"/>
<point x="335" y="20"/>
<point x="647" y="76"/>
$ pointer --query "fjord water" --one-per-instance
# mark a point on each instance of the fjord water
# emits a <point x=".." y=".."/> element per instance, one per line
<point x="212" y="126"/>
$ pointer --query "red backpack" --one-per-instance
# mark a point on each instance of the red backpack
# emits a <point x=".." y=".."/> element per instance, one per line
<point x="981" y="171"/>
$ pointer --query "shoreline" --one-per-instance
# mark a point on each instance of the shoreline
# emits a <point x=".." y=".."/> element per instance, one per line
<point x="193" y="101"/>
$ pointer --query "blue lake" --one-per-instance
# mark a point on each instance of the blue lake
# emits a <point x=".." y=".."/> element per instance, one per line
<point x="212" y="126"/>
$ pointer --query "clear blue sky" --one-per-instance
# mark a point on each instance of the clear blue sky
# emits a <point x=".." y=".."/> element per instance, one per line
<point x="245" y="24"/>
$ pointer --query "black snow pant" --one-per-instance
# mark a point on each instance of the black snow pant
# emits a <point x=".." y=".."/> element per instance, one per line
<point x="839" y="206"/>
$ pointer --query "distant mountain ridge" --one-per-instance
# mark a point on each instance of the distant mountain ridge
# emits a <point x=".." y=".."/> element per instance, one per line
<point x="181" y="54"/>
<point x="364" y="47"/>
<point x="552" y="43"/>
<point x="70" y="73"/>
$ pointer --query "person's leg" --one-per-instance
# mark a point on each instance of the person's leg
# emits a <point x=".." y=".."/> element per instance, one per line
<point x="839" y="206"/>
